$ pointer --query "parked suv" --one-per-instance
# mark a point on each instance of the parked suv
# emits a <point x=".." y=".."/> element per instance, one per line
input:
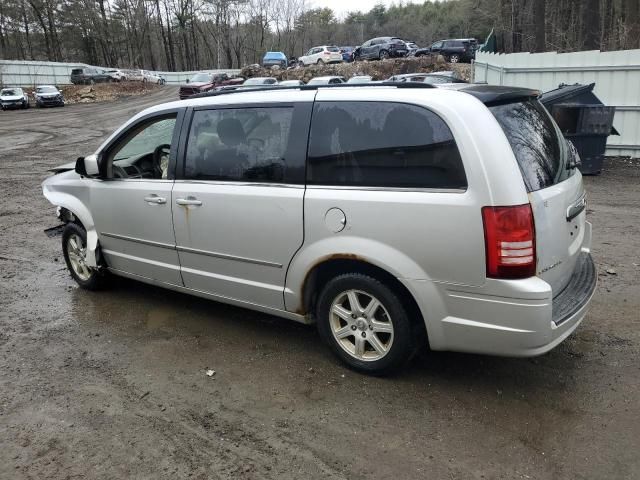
<point x="381" y="48"/>
<point x="321" y="55"/>
<point x="89" y="76"/>
<point x="454" y="51"/>
<point x="391" y="215"/>
<point x="204" y="82"/>
<point x="13" y="97"/>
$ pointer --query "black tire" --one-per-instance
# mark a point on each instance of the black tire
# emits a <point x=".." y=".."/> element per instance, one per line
<point x="454" y="58"/>
<point x="319" y="62"/>
<point x="383" y="54"/>
<point x="403" y="345"/>
<point x="96" y="279"/>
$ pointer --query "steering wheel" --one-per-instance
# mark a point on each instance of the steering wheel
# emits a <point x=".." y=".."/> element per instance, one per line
<point x="119" y="172"/>
<point x="159" y="152"/>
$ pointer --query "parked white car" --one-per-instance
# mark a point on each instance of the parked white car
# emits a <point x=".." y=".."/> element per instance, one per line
<point x="360" y="79"/>
<point x="151" y="77"/>
<point x="13" y="97"/>
<point x="116" y="74"/>
<point x="321" y="55"/>
<point x="291" y="83"/>
<point x="328" y="80"/>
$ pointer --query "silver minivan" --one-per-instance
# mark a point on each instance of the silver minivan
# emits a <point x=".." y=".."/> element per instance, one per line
<point x="392" y="215"/>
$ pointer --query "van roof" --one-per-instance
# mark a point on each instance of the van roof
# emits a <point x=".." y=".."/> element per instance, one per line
<point x="488" y="94"/>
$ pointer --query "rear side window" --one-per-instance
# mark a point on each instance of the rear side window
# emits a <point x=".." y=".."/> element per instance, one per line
<point x="376" y="144"/>
<point x="535" y="142"/>
<point x="76" y="71"/>
<point x="244" y="144"/>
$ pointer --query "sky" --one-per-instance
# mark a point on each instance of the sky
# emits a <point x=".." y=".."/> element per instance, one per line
<point x="341" y="7"/>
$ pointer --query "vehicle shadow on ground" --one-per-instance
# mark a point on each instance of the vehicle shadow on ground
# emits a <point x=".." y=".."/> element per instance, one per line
<point x="139" y="309"/>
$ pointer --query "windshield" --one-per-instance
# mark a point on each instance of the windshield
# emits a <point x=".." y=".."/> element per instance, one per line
<point x="200" y="77"/>
<point x="9" y="92"/>
<point x="46" y="90"/>
<point x="536" y="142"/>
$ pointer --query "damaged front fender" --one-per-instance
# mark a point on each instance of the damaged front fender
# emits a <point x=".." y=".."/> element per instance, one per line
<point x="69" y="191"/>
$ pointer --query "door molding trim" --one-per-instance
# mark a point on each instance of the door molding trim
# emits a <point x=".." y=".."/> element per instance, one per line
<point x="139" y="240"/>
<point x="208" y="253"/>
<point x="228" y="257"/>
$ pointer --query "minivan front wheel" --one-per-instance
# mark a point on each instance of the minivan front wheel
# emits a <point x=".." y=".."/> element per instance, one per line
<point x="74" y="248"/>
<point x="454" y="58"/>
<point x="365" y="323"/>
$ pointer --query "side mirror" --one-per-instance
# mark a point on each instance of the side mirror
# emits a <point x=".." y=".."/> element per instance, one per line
<point x="87" y="166"/>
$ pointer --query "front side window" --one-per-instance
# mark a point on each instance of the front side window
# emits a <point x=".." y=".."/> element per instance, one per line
<point x="143" y="152"/>
<point x="376" y="144"/>
<point x="244" y="144"/>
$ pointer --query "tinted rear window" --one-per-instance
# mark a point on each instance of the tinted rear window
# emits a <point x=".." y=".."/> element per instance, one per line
<point x="76" y="71"/>
<point x="333" y="49"/>
<point x="375" y="144"/>
<point x="535" y="141"/>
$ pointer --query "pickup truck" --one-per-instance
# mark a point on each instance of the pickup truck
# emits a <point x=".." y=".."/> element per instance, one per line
<point x="204" y="82"/>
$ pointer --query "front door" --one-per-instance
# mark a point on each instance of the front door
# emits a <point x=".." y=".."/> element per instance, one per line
<point x="131" y="205"/>
<point x="238" y="202"/>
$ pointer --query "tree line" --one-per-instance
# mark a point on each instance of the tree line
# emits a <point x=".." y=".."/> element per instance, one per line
<point x="177" y="35"/>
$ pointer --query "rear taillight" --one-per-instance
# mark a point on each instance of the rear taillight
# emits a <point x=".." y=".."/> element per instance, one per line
<point x="327" y="53"/>
<point x="510" y="243"/>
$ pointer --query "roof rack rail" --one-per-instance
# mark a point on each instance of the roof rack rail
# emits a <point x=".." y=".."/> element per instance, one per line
<point x="312" y="87"/>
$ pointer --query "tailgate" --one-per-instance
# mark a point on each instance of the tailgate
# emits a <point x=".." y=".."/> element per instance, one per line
<point x="559" y="213"/>
<point x="555" y="187"/>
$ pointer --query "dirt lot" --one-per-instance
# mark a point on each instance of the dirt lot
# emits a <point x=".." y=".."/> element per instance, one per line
<point x="113" y="385"/>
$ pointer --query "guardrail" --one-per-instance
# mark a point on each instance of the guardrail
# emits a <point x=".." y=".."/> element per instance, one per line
<point x="18" y="73"/>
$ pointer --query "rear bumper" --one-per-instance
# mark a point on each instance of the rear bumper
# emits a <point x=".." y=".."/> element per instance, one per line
<point x="525" y="322"/>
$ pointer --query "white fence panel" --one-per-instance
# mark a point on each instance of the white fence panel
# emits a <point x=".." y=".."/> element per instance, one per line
<point x="17" y="73"/>
<point x="25" y="74"/>
<point x="616" y="75"/>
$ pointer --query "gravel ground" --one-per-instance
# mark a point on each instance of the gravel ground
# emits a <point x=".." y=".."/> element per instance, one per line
<point x="113" y="385"/>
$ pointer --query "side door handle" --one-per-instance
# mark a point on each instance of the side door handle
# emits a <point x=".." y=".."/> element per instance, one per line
<point x="155" y="199"/>
<point x="188" y="201"/>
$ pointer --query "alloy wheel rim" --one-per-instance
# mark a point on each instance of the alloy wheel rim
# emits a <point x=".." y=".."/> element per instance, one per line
<point x="77" y="253"/>
<point x="361" y="325"/>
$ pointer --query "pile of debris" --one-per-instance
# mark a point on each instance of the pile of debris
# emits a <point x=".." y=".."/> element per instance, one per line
<point x="105" y="91"/>
<point x="378" y="70"/>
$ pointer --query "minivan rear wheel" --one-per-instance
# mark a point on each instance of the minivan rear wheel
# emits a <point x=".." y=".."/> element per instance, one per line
<point x="454" y="58"/>
<point x="74" y="248"/>
<point x="365" y="324"/>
